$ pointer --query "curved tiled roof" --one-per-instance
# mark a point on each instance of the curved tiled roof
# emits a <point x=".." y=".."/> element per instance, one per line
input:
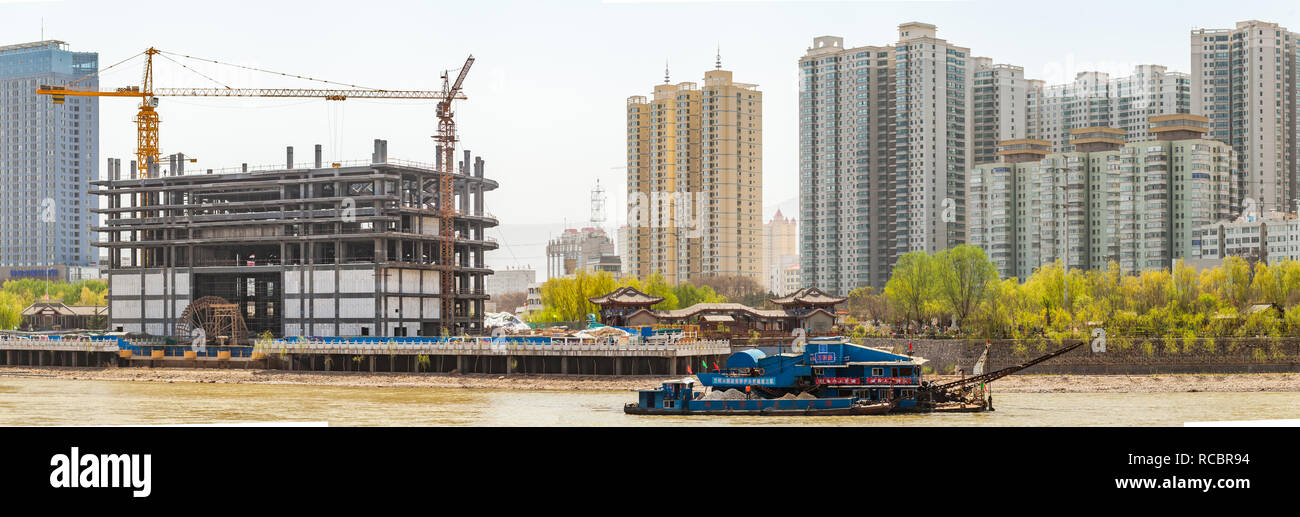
<point x="626" y="296"/>
<point x="808" y="295"/>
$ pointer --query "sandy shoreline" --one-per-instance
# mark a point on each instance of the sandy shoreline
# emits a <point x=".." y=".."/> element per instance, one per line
<point x="1244" y="382"/>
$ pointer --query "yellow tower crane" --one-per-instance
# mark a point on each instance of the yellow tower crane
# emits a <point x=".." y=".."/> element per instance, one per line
<point x="147" y="151"/>
<point x="446" y="138"/>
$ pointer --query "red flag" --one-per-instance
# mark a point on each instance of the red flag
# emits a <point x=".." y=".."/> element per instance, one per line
<point x="909" y="345"/>
<point x="688" y="368"/>
<point x="715" y="366"/>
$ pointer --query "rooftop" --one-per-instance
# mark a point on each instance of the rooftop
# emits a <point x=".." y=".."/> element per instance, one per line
<point x="49" y="43"/>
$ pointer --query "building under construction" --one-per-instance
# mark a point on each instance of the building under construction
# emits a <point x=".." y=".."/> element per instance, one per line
<point x="317" y="249"/>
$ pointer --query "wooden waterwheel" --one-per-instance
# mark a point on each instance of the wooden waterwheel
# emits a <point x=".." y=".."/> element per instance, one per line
<point x="220" y="320"/>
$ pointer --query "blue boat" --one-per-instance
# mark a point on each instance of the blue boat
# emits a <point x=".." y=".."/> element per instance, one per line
<point x="828" y="376"/>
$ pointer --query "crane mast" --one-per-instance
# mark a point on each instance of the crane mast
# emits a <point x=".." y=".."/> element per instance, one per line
<point x="446" y="139"/>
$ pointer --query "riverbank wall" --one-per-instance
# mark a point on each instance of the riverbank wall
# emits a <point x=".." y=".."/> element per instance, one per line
<point x="1129" y="356"/>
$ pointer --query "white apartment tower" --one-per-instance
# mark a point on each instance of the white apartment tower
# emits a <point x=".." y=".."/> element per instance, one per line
<point x="1095" y="99"/>
<point x="933" y="91"/>
<point x="1245" y="80"/>
<point x="847" y="179"/>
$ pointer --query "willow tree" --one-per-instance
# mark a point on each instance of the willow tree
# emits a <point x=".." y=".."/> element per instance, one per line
<point x="964" y="274"/>
<point x="911" y="287"/>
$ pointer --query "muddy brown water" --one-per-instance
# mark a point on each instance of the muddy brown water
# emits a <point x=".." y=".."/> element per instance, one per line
<point x="39" y="401"/>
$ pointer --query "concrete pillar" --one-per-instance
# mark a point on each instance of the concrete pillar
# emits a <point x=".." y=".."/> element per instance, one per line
<point x="672" y="366"/>
<point x="288" y="157"/>
<point x="180" y="164"/>
<point x="509" y="366"/>
<point x="618" y="366"/>
<point x="244" y="167"/>
<point x="371" y="359"/>
<point x="317" y="156"/>
<point x="464" y="165"/>
<point x="460" y="363"/>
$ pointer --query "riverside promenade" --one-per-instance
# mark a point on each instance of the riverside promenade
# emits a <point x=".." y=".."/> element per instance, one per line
<point x="410" y="355"/>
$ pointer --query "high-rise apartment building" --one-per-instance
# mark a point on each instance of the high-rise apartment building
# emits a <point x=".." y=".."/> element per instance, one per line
<point x="1245" y="80"/>
<point x="695" y="179"/>
<point x="935" y="84"/>
<point x="1094" y="99"/>
<point x="886" y="136"/>
<point x="780" y="250"/>
<point x="1001" y="106"/>
<point x="1140" y="204"/>
<point x="49" y="153"/>
<point x="847" y="178"/>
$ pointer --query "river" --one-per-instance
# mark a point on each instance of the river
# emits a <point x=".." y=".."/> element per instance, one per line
<point x="38" y="401"/>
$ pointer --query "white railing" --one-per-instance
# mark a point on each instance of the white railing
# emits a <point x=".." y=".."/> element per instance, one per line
<point x="485" y="346"/>
<point x="77" y="345"/>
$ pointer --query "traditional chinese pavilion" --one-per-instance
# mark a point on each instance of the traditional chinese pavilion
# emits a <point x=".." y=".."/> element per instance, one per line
<point x="621" y="302"/>
<point x="808" y="300"/>
<point x="807" y="308"/>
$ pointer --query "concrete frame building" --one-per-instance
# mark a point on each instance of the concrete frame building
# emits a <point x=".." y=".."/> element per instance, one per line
<point x="49" y="154"/>
<point x="510" y="281"/>
<point x="588" y="249"/>
<point x="695" y="180"/>
<point x="1247" y="81"/>
<point x="308" y="250"/>
<point x="1139" y="204"/>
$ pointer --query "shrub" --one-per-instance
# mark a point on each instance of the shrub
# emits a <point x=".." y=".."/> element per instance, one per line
<point x="1189" y="341"/>
<point x="1209" y="345"/>
<point x="1019" y="348"/>
<point x="1171" y="344"/>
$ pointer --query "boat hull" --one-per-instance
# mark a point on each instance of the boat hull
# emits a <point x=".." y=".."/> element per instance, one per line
<point x="868" y="409"/>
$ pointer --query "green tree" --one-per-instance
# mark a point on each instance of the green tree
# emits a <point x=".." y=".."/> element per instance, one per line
<point x="657" y="286"/>
<point x="688" y="294"/>
<point x="964" y="274"/>
<point x="911" y="287"/>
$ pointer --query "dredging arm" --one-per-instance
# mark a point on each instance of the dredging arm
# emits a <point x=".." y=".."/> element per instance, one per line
<point x="994" y="375"/>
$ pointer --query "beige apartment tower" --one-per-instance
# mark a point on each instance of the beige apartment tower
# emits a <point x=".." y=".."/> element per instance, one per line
<point x="780" y="251"/>
<point x="695" y="180"/>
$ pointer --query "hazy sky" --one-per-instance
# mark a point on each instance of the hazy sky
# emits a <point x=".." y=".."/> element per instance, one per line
<point x="547" y="92"/>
